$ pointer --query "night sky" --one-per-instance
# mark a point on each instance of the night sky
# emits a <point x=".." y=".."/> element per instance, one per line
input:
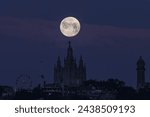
<point x="114" y="33"/>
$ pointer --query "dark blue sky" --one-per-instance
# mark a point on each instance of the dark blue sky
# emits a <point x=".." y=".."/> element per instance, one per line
<point x="114" y="33"/>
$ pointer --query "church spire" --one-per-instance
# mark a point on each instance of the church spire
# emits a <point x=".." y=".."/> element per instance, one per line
<point x="70" y="52"/>
<point x="58" y="62"/>
<point x="81" y="62"/>
<point x="69" y="44"/>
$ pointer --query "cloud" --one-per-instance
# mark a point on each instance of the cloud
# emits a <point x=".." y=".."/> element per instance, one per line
<point x="113" y="36"/>
<point x="27" y="28"/>
<point x="45" y="30"/>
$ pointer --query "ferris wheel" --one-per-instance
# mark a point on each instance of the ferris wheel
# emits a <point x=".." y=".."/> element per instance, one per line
<point x="23" y="82"/>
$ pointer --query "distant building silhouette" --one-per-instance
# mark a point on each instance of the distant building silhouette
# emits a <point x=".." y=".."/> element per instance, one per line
<point x="70" y="74"/>
<point x="140" y="73"/>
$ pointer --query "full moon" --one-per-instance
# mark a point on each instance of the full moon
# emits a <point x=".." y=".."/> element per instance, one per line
<point x="70" y="26"/>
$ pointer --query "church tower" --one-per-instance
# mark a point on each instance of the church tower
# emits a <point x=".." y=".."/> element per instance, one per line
<point x="70" y="74"/>
<point x="140" y="73"/>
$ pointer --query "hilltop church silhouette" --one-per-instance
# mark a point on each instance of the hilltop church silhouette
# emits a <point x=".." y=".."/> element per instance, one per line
<point x="69" y="74"/>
